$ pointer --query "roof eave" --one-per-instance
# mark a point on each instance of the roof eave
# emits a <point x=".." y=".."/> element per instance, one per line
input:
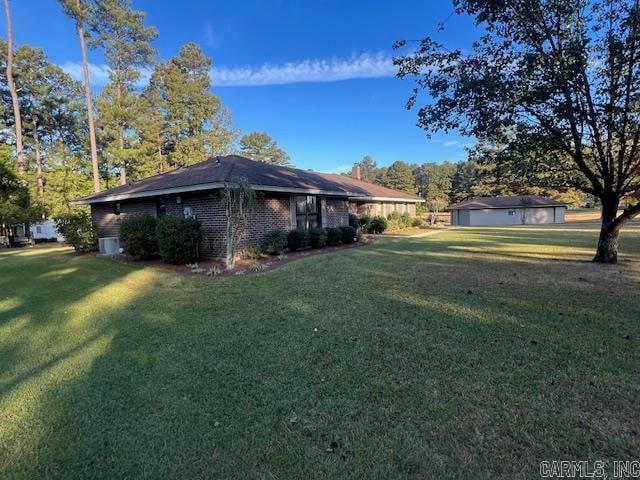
<point x="365" y="198"/>
<point x="204" y="187"/>
<point x="464" y="207"/>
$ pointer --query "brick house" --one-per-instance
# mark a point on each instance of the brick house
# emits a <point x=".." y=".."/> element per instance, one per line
<point x="286" y="198"/>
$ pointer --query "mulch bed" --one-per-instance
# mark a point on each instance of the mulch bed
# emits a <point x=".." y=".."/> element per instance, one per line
<point x="243" y="266"/>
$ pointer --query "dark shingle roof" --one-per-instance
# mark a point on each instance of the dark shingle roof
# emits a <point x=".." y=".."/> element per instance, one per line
<point x="218" y="170"/>
<point x="518" y="201"/>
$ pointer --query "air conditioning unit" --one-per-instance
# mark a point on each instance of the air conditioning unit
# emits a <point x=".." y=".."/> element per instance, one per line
<point x="109" y="245"/>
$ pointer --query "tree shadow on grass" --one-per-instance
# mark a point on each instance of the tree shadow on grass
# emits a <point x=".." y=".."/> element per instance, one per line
<point x="385" y="355"/>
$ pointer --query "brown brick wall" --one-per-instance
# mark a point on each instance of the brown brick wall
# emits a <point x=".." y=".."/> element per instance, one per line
<point x="271" y="212"/>
<point x="108" y="223"/>
<point x="207" y="208"/>
<point x="337" y="212"/>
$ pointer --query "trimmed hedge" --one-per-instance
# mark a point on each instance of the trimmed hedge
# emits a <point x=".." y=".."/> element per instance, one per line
<point x="334" y="236"/>
<point x="275" y="242"/>
<point x="298" y="239"/>
<point x="318" y="237"/>
<point x="138" y="236"/>
<point x="377" y="225"/>
<point x="348" y="234"/>
<point x="78" y="231"/>
<point x="179" y="239"/>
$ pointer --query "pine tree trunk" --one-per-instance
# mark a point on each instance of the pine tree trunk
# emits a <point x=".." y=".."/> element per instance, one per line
<point x="14" y="94"/>
<point x="39" y="176"/>
<point x="160" y="161"/>
<point x="607" y="251"/>
<point x="122" y="163"/>
<point x="89" y="102"/>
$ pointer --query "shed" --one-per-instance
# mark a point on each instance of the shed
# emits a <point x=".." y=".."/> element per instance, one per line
<point x="515" y="210"/>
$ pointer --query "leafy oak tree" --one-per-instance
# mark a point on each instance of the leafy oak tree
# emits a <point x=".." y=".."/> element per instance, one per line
<point x="559" y="78"/>
<point x="260" y="146"/>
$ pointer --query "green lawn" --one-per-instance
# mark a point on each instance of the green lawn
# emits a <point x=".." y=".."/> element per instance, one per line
<point x="472" y="353"/>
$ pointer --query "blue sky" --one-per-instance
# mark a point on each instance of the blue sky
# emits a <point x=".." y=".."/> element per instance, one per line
<point x="316" y="76"/>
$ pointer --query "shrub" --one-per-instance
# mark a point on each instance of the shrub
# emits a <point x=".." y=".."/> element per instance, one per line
<point x="348" y="234"/>
<point x="275" y="242"/>
<point x="78" y="231"/>
<point x="138" y="236"/>
<point x="252" y="253"/>
<point x="394" y="221"/>
<point x="364" y="222"/>
<point x="334" y="236"/>
<point x="298" y="239"/>
<point x="416" y="222"/>
<point x="406" y="220"/>
<point x="354" y="221"/>
<point x="179" y="239"/>
<point x="377" y="225"/>
<point x="318" y="237"/>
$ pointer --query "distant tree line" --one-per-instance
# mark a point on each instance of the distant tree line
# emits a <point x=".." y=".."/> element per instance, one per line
<point x="442" y="184"/>
<point x="63" y="141"/>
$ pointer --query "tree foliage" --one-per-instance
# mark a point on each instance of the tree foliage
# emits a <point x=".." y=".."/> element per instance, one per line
<point x="118" y="30"/>
<point x="398" y="176"/>
<point x="261" y="147"/>
<point x="14" y="195"/>
<point x="192" y="123"/>
<point x="556" y="79"/>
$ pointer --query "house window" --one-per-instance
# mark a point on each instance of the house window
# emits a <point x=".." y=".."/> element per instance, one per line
<point x="512" y="212"/>
<point x="161" y="208"/>
<point x="116" y="208"/>
<point x="38" y="229"/>
<point x="307" y="211"/>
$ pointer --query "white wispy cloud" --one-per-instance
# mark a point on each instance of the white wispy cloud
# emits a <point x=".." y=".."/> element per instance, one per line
<point x="209" y="35"/>
<point x="365" y="65"/>
<point x="450" y="143"/>
<point x="328" y="70"/>
<point x="99" y="73"/>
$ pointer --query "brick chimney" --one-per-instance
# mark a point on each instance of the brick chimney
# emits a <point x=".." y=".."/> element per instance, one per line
<point x="355" y="172"/>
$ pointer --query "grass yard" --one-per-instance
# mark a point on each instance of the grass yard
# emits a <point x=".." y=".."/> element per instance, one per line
<point x="472" y="353"/>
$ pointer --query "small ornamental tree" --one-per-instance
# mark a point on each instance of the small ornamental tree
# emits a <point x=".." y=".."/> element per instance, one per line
<point x="239" y="199"/>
